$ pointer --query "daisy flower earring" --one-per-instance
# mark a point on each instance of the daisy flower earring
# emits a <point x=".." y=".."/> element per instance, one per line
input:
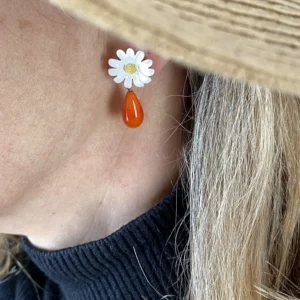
<point x="133" y="71"/>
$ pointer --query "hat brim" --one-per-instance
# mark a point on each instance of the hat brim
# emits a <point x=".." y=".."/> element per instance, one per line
<point x="255" y="40"/>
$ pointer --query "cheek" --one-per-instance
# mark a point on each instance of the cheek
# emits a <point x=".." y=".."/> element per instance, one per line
<point x="47" y="107"/>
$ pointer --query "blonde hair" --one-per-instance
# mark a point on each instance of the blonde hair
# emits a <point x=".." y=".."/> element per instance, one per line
<point x="10" y="247"/>
<point x="241" y="163"/>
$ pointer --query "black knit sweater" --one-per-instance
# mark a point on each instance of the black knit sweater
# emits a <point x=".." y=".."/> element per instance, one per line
<point x="135" y="262"/>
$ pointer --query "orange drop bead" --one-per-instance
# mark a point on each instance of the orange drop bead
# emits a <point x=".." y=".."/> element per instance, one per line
<point x="133" y="114"/>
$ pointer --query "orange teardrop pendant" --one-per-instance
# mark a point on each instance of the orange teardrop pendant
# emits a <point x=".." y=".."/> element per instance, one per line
<point x="132" y="112"/>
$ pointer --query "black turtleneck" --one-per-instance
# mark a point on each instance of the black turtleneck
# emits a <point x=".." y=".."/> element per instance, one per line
<point x="138" y="261"/>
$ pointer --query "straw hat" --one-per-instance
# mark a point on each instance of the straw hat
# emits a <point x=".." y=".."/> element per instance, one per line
<point x="256" y="40"/>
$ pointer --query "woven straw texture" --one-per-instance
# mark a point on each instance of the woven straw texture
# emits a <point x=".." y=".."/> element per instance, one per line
<point x="253" y="40"/>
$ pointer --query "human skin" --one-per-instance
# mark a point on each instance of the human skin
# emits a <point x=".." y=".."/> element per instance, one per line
<point x="71" y="172"/>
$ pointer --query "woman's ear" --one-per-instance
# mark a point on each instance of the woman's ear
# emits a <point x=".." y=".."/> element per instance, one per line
<point x="158" y="61"/>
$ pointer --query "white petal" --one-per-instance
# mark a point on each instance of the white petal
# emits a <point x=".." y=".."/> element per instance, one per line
<point x="130" y="52"/>
<point x="146" y="63"/>
<point x="113" y="72"/>
<point x="120" y="77"/>
<point x="114" y="63"/>
<point x="121" y="54"/>
<point x="128" y="82"/>
<point x="147" y="72"/>
<point x="137" y="81"/>
<point x="144" y="79"/>
<point x="130" y="60"/>
<point x="139" y="57"/>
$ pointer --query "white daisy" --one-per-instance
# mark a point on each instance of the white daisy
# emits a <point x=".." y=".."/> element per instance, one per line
<point x="131" y="67"/>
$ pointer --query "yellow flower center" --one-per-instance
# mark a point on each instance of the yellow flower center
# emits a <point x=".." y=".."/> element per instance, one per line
<point x="130" y="68"/>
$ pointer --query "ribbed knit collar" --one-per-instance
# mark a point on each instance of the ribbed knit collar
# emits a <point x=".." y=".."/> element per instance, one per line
<point x="135" y="261"/>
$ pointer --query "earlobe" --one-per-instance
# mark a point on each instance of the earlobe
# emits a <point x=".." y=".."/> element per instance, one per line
<point x="158" y="61"/>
